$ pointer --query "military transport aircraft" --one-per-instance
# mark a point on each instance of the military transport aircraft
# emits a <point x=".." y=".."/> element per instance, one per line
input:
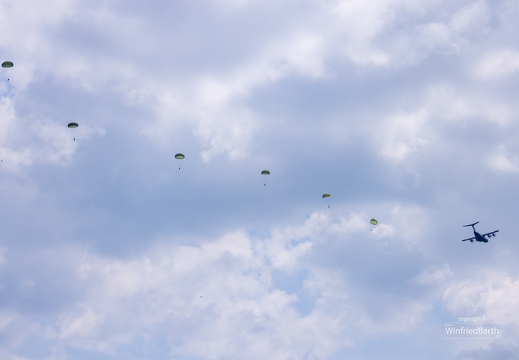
<point x="478" y="236"/>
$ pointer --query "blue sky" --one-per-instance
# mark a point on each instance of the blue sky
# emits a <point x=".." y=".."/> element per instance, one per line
<point x="404" y="112"/>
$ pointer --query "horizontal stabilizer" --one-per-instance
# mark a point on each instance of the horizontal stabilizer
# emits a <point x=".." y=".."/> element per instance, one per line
<point x="471" y="224"/>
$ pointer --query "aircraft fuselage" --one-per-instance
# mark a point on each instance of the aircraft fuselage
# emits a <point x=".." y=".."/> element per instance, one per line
<point x="479" y="237"/>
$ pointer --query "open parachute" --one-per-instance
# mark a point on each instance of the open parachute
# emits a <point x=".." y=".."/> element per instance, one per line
<point x="325" y="196"/>
<point x="7" y="65"/>
<point x="265" y="173"/>
<point x="73" y="125"/>
<point x="179" y="157"/>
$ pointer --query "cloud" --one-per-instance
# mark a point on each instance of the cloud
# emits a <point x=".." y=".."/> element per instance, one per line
<point x="491" y="294"/>
<point x="495" y="352"/>
<point x="27" y="140"/>
<point x="435" y="276"/>
<point x="505" y="163"/>
<point x="199" y="295"/>
<point x="497" y="65"/>
<point x="402" y="136"/>
<point x="222" y="293"/>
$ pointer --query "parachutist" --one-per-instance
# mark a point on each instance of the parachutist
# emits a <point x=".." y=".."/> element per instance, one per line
<point x="7" y="64"/>
<point x="326" y="196"/>
<point x="265" y="173"/>
<point x="179" y="156"/>
<point x="373" y="222"/>
<point x="73" y="125"/>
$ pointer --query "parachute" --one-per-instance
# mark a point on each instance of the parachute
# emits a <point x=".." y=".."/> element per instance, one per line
<point x="326" y="196"/>
<point x="179" y="156"/>
<point x="265" y="173"/>
<point x="6" y="65"/>
<point x="73" y="125"/>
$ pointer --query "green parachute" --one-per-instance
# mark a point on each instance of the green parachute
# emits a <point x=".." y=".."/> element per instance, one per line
<point x="7" y="65"/>
<point x="73" y="125"/>
<point x="179" y="157"/>
<point x="324" y="196"/>
<point x="265" y="173"/>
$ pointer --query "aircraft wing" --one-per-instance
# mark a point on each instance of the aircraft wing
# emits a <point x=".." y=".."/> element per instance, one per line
<point x="471" y="239"/>
<point x="492" y="233"/>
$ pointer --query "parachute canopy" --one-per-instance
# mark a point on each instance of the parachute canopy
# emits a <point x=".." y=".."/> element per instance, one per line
<point x="373" y="222"/>
<point x="326" y="195"/>
<point x="73" y="125"/>
<point x="179" y="156"/>
<point x="7" y="64"/>
<point x="265" y="172"/>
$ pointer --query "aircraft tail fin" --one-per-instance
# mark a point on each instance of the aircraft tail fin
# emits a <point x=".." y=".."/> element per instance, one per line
<point x="471" y="224"/>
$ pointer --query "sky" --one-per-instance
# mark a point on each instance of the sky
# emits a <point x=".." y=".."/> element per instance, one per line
<point x="403" y="111"/>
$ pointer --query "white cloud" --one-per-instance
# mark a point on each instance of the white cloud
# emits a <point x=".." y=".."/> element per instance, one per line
<point x="212" y="102"/>
<point x="492" y="294"/>
<point x="403" y="135"/>
<point x="416" y="134"/>
<point x="411" y="223"/>
<point x="435" y="276"/>
<point x="219" y="294"/>
<point x="2" y="257"/>
<point x="13" y="330"/>
<point x="471" y="18"/>
<point x="497" y="65"/>
<point x="504" y="163"/>
<point x="222" y="294"/>
<point x="7" y="123"/>
<point x="80" y="326"/>
<point x="26" y="141"/>
<point x="24" y="35"/>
